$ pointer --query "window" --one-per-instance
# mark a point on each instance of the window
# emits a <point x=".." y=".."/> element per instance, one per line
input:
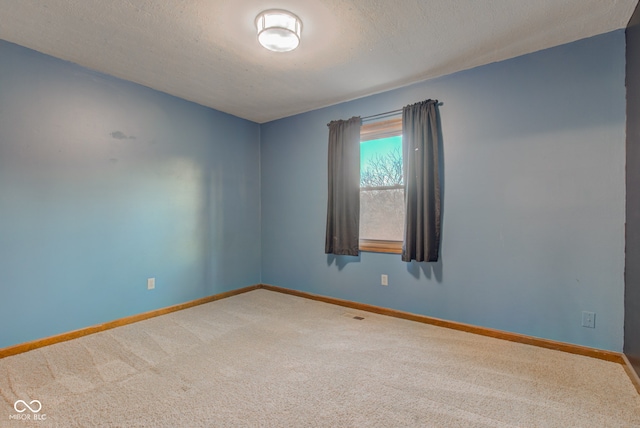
<point x="381" y="187"/>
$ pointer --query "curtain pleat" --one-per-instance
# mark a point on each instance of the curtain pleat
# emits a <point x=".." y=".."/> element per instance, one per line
<point x="420" y="143"/>
<point x="343" y="204"/>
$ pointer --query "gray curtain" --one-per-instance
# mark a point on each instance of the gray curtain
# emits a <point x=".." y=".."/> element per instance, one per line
<point x="420" y="145"/>
<point x="343" y="205"/>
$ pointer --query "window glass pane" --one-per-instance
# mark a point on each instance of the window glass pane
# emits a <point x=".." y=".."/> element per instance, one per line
<point x="381" y="162"/>
<point x="382" y="214"/>
<point x="381" y="191"/>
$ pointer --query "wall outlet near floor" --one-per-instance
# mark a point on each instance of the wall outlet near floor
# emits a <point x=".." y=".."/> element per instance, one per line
<point x="588" y="319"/>
<point x="151" y="283"/>
<point x="384" y="279"/>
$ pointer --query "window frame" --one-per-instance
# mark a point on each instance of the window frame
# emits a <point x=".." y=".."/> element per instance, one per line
<point x="376" y="131"/>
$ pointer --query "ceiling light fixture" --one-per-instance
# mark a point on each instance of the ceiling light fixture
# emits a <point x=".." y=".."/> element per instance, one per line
<point x="278" y="30"/>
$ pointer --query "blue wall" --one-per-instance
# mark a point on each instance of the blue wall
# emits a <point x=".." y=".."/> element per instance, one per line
<point x="534" y="199"/>
<point x="104" y="183"/>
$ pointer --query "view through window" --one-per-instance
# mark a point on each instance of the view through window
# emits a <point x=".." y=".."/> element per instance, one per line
<point x="381" y="187"/>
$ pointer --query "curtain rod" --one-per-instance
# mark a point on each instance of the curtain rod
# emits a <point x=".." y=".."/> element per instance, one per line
<point x="388" y="113"/>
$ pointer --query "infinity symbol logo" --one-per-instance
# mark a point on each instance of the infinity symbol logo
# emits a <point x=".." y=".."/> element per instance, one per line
<point x="27" y="406"/>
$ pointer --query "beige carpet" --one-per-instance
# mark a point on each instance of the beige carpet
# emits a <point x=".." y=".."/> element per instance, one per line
<point x="274" y="360"/>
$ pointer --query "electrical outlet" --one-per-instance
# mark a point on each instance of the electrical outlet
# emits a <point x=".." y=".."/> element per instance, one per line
<point x="588" y="319"/>
<point x="151" y="283"/>
<point x="384" y="280"/>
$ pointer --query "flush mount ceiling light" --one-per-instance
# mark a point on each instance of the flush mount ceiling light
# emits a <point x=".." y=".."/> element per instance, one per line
<point x="278" y="30"/>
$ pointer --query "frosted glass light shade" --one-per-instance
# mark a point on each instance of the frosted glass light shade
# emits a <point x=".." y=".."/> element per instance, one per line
<point x="278" y="30"/>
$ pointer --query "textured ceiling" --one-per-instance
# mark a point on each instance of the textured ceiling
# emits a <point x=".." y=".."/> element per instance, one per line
<point x="207" y="51"/>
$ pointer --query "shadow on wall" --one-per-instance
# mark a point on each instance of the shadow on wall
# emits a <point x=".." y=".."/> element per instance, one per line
<point x="342" y="261"/>
<point x="428" y="269"/>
